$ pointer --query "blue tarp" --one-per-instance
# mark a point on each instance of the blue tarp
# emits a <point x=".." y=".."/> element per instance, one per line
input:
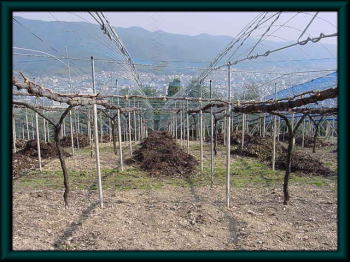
<point x="317" y="84"/>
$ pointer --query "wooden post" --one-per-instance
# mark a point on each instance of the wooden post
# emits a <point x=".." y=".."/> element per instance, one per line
<point x="243" y="129"/>
<point x="38" y="140"/>
<point x="129" y="131"/>
<point x="188" y="128"/>
<point x="201" y="135"/>
<point x="140" y="121"/>
<point x="327" y="129"/>
<point x="79" y="131"/>
<point x="264" y="125"/>
<point x="181" y="126"/>
<point x="211" y="141"/>
<point x="110" y="129"/>
<point x="303" y="134"/>
<point x="76" y="128"/>
<point x="97" y="149"/>
<point x="48" y="133"/>
<point x="71" y="131"/>
<point x="292" y="130"/>
<point x="23" y="136"/>
<point x="101" y="127"/>
<point x="228" y="142"/>
<point x="14" y="132"/>
<point x="274" y="136"/>
<point x="278" y="128"/>
<point x="44" y="130"/>
<point x="135" y="133"/>
<point x="120" y="141"/>
<point x="224" y="122"/>
<point x="175" y="124"/>
<point x="89" y="126"/>
<point x="27" y="125"/>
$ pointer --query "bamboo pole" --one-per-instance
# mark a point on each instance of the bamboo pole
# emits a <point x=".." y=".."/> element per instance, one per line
<point x="134" y="118"/>
<point x="76" y="128"/>
<point x="140" y="121"/>
<point x="228" y="142"/>
<point x="27" y="124"/>
<point x="129" y="131"/>
<point x="101" y="127"/>
<point x="32" y="125"/>
<point x="71" y="131"/>
<point x="188" y="128"/>
<point x="110" y="128"/>
<point x="303" y="134"/>
<point x="224" y="130"/>
<point x="243" y="129"/>
<point x="264" y="125"/>
<point x="181" y="127"/>
<point x="23" y="133"/>
<point x="292" y="130"/>
<point x="211" y="142"/>
<point x="89" y="125"/>
<point x="274" y="137"/>
<point x="175" y="115"/>
<point x="48" y="133"/>
<point x="38" y="140"/>
<point x="44" y="130"/>
<point x="201" y="137"/>
<point x="97" y="149"/>
<point x="14" y="132"/>
<point x="120" y="141"/>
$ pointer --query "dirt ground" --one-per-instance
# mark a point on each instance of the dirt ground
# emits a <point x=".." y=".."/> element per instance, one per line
<point x="192" y="217"/>
<point x="175" y="218"/>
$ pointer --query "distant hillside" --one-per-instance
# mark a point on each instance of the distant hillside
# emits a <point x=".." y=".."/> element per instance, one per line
<point x="84" y="40"/>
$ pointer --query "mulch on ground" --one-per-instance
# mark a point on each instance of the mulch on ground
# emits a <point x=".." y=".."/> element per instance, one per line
<point x="304" y="162"/>
<point x="258" y="147"/>
<point x="47" y="150"/>
<point x="160" y="155"/>
<point x="79" y="139"/>
<point x="21" y="163"/>
<point x="236" y="138"/>
<point x="20" y="143"/>
<point x="308" y="141"/>
<point x="261" y="148"/>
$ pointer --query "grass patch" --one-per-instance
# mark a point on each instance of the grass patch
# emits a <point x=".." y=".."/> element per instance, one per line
<point x="244" y="172"/>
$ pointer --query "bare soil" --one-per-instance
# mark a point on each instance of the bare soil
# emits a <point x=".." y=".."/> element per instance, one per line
<point x="177" y="218"/>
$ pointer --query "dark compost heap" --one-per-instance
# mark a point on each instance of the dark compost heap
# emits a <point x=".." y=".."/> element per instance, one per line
<point x="160" y="155"/>
<point x="47" y="150"/>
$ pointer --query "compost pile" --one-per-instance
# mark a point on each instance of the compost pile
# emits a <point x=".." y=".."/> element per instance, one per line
<point x="305" y="163"/>
<point x="105" y="138"/>
<point x="20" y="143"/>
<point x="258" y="147"/>
<point x="236" y="138"/>
<point x="308" y="141"/>
<point x="47" y="150"/>
<point x="160" y="155"/>
<point x="81" y="139"/>
<point x="20" y="163"/>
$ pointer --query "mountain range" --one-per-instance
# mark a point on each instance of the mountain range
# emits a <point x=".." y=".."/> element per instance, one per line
<point x="168" y="50"/>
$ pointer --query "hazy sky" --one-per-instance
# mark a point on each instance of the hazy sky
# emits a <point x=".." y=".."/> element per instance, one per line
<point x="194" y="23"/>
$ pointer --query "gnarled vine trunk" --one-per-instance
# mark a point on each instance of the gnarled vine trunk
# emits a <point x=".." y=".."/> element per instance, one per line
<point x="63" y="166"/>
